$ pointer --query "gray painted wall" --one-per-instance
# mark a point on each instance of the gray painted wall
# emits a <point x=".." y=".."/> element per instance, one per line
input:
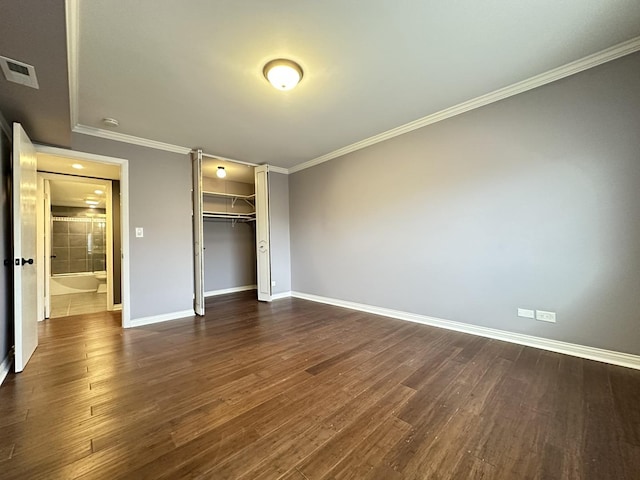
<point x="6" y="250"/>
<point x="229" y="255"/>
<point x="161" y="263"/>
<point x="530" y="202"/>
<point x="279" y="238"/>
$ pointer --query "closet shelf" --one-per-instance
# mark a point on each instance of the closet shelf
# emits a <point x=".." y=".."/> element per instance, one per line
<point x="233" y="196"/>
<point x="247" y="217"/>
<point x="229" y="195"/>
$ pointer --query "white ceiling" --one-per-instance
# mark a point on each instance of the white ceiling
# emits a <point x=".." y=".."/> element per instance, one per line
<point x="236" y="172"/>
<point x="189" y="73"/>
<point x="74" y="193"/>
<point x="72" y="187"/>
<point x="57" y="164"/>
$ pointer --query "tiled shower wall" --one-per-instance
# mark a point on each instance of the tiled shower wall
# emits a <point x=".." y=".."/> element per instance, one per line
<point x="78" y="245"/>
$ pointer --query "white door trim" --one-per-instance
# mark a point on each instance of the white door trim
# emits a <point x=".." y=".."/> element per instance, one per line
<point x="124" y="213"/>
<point x="41" y="249"/>
<point x="109" y="253"/>
<point x="47" y="248"/>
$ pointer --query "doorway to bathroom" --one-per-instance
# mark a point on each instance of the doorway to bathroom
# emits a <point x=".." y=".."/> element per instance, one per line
<point x="79" y="215"/>
<point x="79" y="236"/>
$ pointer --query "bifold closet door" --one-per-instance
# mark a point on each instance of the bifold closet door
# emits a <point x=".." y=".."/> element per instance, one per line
<point x="198" y="227"/>
<point x="263" y="253"/>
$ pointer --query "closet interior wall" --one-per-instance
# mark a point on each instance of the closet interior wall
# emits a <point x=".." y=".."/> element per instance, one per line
<point x="228" y="230"/>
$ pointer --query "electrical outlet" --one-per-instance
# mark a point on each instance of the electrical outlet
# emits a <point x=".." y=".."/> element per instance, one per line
<point x="526" y="313"/>
<point x="139" y="232"/>
<point x="273" y="283"/>
<point x="546" y="316"/>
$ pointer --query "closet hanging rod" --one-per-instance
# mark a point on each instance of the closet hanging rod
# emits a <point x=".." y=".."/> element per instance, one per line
<point x="228" y="215"/>
<point x="224" y="159"/>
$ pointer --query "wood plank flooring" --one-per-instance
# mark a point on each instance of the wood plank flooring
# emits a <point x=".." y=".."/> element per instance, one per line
<point x="297" y="390"/>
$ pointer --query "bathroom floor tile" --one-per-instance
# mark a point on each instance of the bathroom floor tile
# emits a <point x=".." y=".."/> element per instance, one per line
<point x="77" y="303"/>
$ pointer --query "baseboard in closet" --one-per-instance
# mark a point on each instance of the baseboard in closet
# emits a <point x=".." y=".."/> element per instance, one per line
<point x="224" y="291"/>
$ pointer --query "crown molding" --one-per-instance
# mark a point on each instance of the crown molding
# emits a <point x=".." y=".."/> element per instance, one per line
<point x="72" y="17"/>
<point x="590" y="61"/>
<point x="607" y="55"/>
<point x="121" y="137"/>
<point x="273" y="168"/>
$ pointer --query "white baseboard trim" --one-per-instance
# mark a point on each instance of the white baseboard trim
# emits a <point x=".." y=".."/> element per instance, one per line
<point x="117" y="307"/>
<point x="5" y="367"/>
<point x="278" y="296"/>
<point x="224" y="291"/>
<point x="138" y="322"/>
<point x="607" y="356"/>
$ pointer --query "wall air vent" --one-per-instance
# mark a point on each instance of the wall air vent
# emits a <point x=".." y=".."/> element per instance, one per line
<point x="19" y="72"/>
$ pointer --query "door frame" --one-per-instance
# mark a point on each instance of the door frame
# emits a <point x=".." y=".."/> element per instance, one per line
<point x="124" y="215"/>
<point x="43" y="246"/>
<point x="262" y="224"/>
<point x="44" y="275"/>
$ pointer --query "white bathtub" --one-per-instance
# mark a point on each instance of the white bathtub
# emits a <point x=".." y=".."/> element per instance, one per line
<point x="64" y="283"/>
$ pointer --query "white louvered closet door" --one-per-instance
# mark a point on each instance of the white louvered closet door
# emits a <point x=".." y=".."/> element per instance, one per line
<point x="263" y="253"/>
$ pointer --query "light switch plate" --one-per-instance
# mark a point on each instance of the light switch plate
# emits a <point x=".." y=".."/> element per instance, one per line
<point x="139" y="232"/>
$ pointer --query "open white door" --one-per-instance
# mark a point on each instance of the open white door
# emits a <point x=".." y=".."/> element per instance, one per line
<point x="198" y="228"/>
<point x="24" y="244"/>
<point x="262" y="233"/>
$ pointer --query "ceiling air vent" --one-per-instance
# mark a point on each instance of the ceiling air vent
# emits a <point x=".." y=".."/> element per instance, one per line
<point x="19" y="72"/>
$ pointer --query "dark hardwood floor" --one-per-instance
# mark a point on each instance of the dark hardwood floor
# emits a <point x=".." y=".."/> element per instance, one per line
<point x="298" y="390"/>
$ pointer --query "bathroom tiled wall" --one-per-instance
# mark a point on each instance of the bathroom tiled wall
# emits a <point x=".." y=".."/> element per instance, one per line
<point x="78" y="245"/>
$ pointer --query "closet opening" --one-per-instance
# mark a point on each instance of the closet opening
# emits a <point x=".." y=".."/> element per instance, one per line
<point x="229" y="216"/>
<point x="229" y="237"/>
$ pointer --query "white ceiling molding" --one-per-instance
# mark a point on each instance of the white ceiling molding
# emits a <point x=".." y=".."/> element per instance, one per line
<point x="225" y="159"/>
<point x="72" y="11"/>
<point x="73" y="33"/>
<point x="273" y="168"/>
<point x="607" y="55"/>
<point x="73" y="26"/>
<point x="121" y="137"/>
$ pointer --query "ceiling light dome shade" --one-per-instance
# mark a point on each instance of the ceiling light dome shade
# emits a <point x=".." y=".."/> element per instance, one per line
<point x="221" y="173"/>
<point x="283" y="74"/>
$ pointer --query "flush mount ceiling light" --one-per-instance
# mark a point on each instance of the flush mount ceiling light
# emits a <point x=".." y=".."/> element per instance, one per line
<point x="98" y="192"/>
<point x="282" y="74"/>
<point x="91" y="202"/>
<point x="77" y="166"/>
<point x="221" y="173"/>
